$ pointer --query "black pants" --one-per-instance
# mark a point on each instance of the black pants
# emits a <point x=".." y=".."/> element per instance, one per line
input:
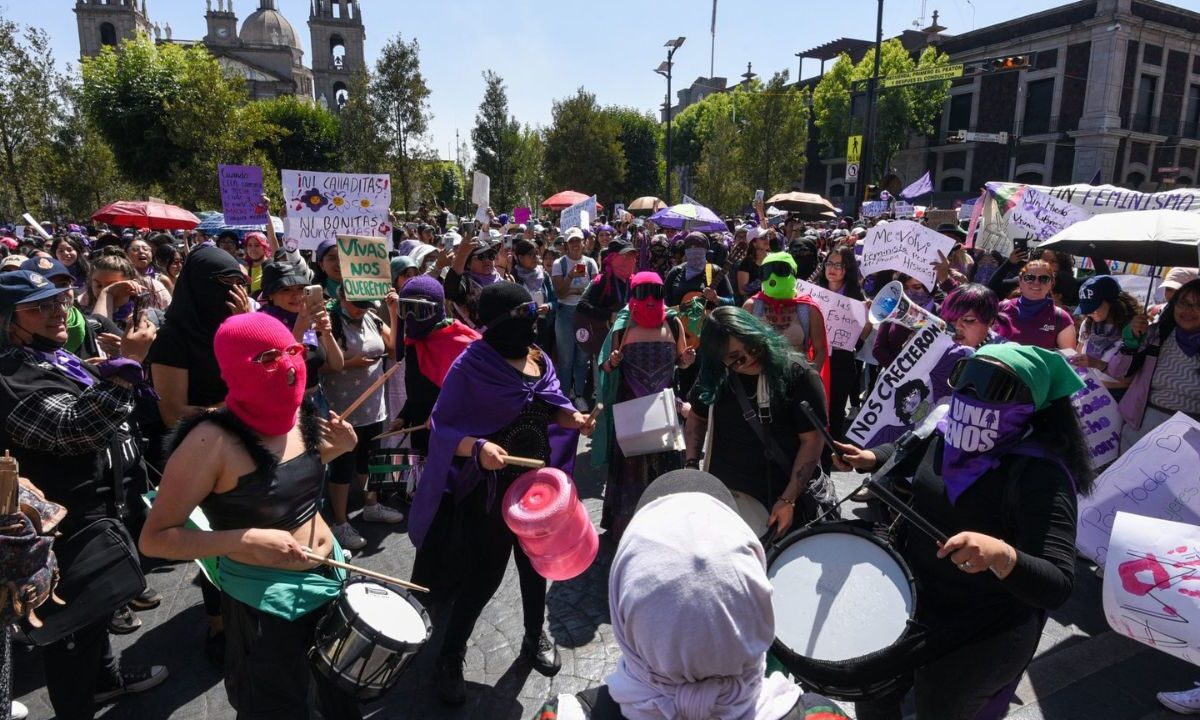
<point x="959" y="684"/>
<point x="74" y="669"/>
<point x="485" y="545"/>
<point x="268" y="675"/>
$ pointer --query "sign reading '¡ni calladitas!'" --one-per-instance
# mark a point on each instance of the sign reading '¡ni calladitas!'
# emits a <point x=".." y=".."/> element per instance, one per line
<point x="366" y="269"/>
<point x="322" y="206"/>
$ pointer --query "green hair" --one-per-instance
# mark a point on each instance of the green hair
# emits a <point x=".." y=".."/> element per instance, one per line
<point x="760" y="339"/>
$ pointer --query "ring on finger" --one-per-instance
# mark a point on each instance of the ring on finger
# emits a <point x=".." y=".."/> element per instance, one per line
<point x="965" y="565"/>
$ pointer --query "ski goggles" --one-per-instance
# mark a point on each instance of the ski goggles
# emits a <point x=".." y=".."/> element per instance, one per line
<point x="988" y="381"/>
<point x="648" y="291"/>
<point x="417" y="309"/>
<point x="781" y="269"/>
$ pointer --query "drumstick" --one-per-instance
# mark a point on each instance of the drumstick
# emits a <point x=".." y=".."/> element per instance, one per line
<point x="394" y="433"/>
<point x="522" y="462"/>
<point x="820" y="426"/>
<point x="366" y="394"/>
<point x="363" y="571"/>
<point x="595" y="413"/>
<point x="901" y="507"/>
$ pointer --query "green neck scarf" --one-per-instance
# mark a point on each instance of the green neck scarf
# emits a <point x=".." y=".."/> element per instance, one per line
<point x="76" y="330"/>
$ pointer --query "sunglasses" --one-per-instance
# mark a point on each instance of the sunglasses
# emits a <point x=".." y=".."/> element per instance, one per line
<point x="781" y="269"/>
<point x="736" y="359"/>
<point x="648" y="291"/>
<point x="489" y="256"/>
<point x="269" y="359"/>
<point x="1041" y="279"/>
<point x="835" y="266"/>
<point x="416" y="309"/>
<point x="527" y="310"/>
<point x="47" y="307"/>
<point x="988" y="381"/>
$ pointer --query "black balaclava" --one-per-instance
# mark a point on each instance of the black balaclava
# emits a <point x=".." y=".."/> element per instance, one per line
<point x="510" y="336"/>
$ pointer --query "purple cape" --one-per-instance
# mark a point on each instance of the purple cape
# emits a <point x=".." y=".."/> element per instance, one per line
<point x="482" y="395"/>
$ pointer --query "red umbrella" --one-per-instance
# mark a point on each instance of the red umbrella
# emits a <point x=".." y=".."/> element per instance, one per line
<point x="145" y="214"/>
<point x="566" y="199"/>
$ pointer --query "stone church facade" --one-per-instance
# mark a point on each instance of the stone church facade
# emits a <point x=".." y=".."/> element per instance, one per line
<point x="264" y="50"/>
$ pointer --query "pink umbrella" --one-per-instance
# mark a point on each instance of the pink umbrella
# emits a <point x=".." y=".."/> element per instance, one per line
<point x="146" y="214"/>
<point x="565" y="199"/>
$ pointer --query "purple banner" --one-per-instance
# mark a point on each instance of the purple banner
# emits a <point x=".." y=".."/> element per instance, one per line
<point x="241" y="194"/>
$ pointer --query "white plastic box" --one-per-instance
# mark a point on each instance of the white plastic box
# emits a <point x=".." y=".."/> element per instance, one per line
<point x="648" y="424"/>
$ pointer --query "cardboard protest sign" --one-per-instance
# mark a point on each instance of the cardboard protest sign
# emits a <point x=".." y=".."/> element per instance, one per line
<point x="1042" y="215"/>
<point x="902" y="396"/>
<point x="322" y="206"/>
<point x="579" y="214"/>
<point x="481" y="189"/>
<point x="874" y="208"/>
<point x="1155" y="478"/>
<point x="905" y="246"/>
<point x="845" y="317"/>
<point x="241" y="194"/>
<point x="366" y="268"/>
<point x="1152" y="584"/>
<point x="1099" y="417"/>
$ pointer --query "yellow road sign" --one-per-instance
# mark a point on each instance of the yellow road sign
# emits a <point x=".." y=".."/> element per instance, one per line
<point x="854" y="149"/>
<point x="943" y="72"/>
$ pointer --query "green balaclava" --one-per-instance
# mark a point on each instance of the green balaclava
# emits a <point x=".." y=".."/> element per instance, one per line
<point x="1046" y="373"/>
<point x="779" y="283"/>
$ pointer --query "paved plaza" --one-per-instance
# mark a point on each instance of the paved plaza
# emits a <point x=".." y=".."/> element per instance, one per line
<point x="1083" y="670"/>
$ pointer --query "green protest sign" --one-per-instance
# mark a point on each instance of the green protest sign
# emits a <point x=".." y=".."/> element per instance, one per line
<point x="366" y="268"/>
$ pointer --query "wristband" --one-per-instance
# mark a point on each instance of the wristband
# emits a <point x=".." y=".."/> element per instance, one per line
<point x="475" y="449"/>
<point x="694" y="464"/>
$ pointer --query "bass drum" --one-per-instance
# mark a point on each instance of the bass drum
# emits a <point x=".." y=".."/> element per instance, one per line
<point x="845" y="604"/>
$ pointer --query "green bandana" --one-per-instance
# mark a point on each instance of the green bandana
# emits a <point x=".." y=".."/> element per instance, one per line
<point x="76" y="329"/>
<point x="1046" y="373"/>
<point x="779" y="287"/>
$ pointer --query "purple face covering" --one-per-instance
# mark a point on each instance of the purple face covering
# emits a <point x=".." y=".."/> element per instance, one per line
<point x="978" y="434"/>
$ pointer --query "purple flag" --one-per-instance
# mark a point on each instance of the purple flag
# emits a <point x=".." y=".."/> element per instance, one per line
<point x="919" y="188"/>
<point x="241" y="194"/>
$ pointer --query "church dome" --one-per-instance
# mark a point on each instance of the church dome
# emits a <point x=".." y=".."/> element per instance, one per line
<point x="268" y="27"/>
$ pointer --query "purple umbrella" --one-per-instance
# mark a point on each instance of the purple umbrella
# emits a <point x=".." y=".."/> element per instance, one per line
<point x="688" y="217"/>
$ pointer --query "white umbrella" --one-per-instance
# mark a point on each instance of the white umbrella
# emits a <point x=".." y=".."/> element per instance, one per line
<point x="1165" y="238"/>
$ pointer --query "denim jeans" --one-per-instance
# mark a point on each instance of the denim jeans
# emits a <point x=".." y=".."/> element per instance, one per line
<point x="570" y="360"/>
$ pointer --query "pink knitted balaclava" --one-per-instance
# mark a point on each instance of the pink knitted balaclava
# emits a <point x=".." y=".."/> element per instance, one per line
<point x="264" y="397"/>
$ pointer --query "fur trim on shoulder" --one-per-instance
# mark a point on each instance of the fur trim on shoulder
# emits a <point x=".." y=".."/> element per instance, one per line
<point x="265" y="460"/>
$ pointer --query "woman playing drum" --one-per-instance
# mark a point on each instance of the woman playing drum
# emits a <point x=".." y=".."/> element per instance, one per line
<point x="256" y="469"/>
<point x="1001" y="479"/>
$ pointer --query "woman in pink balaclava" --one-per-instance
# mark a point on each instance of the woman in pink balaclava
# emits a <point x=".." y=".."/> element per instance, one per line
<point x="639" y="358"/>
<point x="256" y="468"/>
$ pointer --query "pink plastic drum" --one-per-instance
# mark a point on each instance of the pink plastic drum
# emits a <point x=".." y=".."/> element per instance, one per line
<point x="543" y="510"/>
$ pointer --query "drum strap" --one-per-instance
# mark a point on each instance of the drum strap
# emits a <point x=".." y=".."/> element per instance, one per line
<point x="750" y="414"/>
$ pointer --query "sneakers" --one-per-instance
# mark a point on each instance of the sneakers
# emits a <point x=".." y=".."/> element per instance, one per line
<point x="1184" y="702"/>
<point x="541" y="652"/>
<point x="451" y="686"/>
<point x="581" y="405"/>
<point x="148" y="599"/>
<point x="133" y="679"/>
<point x="123" y="621"/>
<point x="348" y="537"/>
<point x="18" y="712"/>
<point x="381" y="513"/>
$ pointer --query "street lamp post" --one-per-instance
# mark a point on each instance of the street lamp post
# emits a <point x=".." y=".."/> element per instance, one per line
<point x="664" y="69"/>
<point x="868" y="146"/>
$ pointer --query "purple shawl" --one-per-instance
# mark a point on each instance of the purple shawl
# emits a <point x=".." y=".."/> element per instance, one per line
<point x="482" y="395"/>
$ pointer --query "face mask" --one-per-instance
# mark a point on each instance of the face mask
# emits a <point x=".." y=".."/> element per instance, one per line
<point x="264" y="397"/>
<point x="695" y="258"/>
<point x="978" y="434"/>
<point x="41" y="343"/>
<point x="648" y="313"/>
<point x="780" y="287"/>
<point x="512" y="337"/>
<point x="919" y="297"/>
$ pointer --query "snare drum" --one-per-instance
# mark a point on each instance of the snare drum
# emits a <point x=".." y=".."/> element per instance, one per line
<point x="753" y="512"/>
<point x="394" y="469"/>
<point x="844" y="606"/>
<point x="369" y="636"/>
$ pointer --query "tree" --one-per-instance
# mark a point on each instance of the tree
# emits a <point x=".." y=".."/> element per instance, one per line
<point x="361" y="147"/>
<point x="641" y="140"/>
<point x="529" y="169"/>
<point x="583" y="148"/>
<point x="773" y="134"/>
<point x="719" y="178"/>
<point x="82" y="174"/>
<point x="495" y="138"/>
<point x="899" y="111"/>
<point x="451" y="186"/>
<point x="305" y="135"/>
<point x="29" y="83"/>
<point x="400" y="91"/>
<point x="171" y="115"/>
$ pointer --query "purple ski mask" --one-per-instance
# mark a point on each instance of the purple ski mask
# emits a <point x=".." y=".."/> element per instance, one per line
<point x="978" y="434"/>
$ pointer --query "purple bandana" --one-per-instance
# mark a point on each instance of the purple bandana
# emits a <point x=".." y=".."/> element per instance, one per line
<point x="70" y="365"/>
<point x="978" y="434"/>
<point x="1188" y="342"/>
<point x="1027" y="310"/>
<point x="484" y="280"/>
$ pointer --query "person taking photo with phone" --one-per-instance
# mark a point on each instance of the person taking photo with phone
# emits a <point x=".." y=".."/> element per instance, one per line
<point x="571" y="274"/>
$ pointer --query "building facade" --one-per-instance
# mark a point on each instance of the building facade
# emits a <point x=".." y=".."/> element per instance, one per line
<point x="264" y="49"/>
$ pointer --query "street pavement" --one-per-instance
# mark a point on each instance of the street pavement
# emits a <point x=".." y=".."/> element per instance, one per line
<point x="1082" y="671"/>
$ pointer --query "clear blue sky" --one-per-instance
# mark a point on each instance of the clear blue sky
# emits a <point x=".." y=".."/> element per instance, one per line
<point x="546" y="49"/>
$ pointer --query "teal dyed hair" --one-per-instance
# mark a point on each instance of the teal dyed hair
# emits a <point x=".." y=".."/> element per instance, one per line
<point x="760" y="339"/>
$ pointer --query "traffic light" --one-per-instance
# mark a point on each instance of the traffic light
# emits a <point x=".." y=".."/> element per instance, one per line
<point x="957" y="136"/>
<point x="1009" y="62"/>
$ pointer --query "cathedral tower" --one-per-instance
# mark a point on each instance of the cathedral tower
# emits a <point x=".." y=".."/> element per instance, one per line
<point x="337" y="48"/>
<point x="108" y="22"/>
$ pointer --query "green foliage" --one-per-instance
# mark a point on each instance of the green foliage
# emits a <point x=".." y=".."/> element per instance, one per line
<point x="642" y="141"/>
<point x="451" y="186"/>
<point x="583" y="148"/>
<point x="304" y="137"/>
<point x="899" y="111"/>
<point x="495" y="137"/>
<point x="29" y="85"/>
<point x="399" y="90"/>
<point x="719" y="181"/>
<point x="361" y="145"/>
<point x="81" y="170"/>
<point x="530" y="185"/>
<point x="772" y="134"/>
<point x="170" y="116"/>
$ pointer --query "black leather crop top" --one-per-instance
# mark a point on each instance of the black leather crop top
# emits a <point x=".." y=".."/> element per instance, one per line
<point x="284" y="498"/>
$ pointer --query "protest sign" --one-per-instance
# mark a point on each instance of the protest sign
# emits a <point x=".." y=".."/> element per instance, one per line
<point x="574" y="216"/>
<point x="1156" y="478"/>
<point x="618" y="212"/>
<point x="902" y="210"/>
<point x="366" y="269"/>
<point x="1042" y="215"/>
<point x="481" y="189"/>
<point x="935" y="218"/>
<point x="521" y="215"/>
<point x="1152" y="584"/>
<point x="966" y="209"/>
<point x="845" y="317"/>
<point x="905" y="246"/>
<point x="241" y="194"/>
<point x="322" y="206"/>
<point x="874" y="208"/>
<point x="1099" y="418"/>
<point x="37" y="227"/>
<point x="902" y="396"/>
